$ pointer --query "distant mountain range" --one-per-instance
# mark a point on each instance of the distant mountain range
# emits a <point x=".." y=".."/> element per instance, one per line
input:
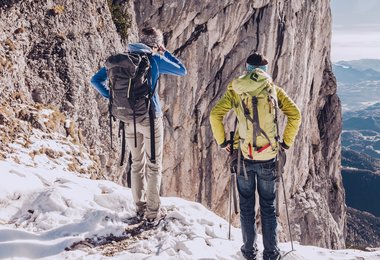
<point x="362" y="190"/>
<point x="359" y="91"/>
<point x="361" y="132"/>
<point x="372" y="110"/>
<point x="361" y="65"/>
<point x="348" y="73"/>
<point x="358" y="83"/>
<point x="352" y="159"/>
<point x="363" y="229"/>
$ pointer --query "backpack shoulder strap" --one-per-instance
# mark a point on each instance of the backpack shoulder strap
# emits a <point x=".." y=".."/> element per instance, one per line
<point x="257" y="130"/>
<point x="151" y="113"/>
<point x="276" y="107"/>
<point x="122" y="135"/>
<point x="153" y="89"/>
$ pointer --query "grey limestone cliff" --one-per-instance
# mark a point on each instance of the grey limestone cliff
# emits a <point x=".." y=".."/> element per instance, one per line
<point x="214" y="39"/>
<point x="50" y="49"/>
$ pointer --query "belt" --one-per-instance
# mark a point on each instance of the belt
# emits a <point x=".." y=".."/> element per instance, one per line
<point x="257" y="161"/>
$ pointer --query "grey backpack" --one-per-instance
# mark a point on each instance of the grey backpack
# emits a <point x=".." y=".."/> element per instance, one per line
<point x="129" y="87"/>
<point x="129" y="77"/>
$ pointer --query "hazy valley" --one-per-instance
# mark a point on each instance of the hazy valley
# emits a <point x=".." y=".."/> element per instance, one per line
<point x="359" y="88"/>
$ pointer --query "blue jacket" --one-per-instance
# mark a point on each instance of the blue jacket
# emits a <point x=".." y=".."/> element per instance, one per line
<point x="160" y="64"/>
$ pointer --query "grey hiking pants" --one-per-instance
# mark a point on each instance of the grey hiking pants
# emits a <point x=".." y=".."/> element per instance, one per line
<point x="145" y="175"/>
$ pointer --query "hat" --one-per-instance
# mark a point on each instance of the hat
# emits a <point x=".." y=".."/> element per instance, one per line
<point x="257" y="59"/>
<point x="151" y="36"/>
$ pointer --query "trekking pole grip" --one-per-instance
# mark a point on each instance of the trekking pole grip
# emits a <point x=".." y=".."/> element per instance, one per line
<point x="232" y="133"/>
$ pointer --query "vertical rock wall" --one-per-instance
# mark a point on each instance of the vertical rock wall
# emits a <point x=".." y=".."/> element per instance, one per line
<point x="214" y="39"/>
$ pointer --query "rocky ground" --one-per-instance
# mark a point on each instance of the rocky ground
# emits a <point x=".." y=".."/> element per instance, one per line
<point x="24" y="126"/>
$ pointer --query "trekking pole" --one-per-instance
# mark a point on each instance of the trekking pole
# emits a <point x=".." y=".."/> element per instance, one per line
<point x="232" y="194"/>
<point x="231" y="187"/>
<point x="233" y="176"/>
<point x="229" y="210"/>
<point x="277" y="198"/>
<point x="287" y="213"/>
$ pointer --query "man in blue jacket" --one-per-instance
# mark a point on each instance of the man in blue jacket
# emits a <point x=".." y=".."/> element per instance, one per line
<point x="145" y="174"/>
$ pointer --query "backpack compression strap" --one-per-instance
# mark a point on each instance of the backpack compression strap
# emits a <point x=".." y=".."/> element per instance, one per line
<point x="257" y="130"/>
<point x="151" y="122"/>
<point x="122" y="131"/>
<point x="110" y="110"/>
<point x="110" y="120"/>
<point x="152" y="135"/>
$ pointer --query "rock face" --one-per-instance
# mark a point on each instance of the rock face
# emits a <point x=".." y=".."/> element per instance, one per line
<point x="214" y="39"/>
<point x="48" y="53"/>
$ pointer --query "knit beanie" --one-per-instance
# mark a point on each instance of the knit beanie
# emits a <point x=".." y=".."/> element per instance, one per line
<point x="257" y="59"/>
<point x="151" y="36"/>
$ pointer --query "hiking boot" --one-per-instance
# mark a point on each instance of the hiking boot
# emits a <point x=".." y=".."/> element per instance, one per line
<point x="155" y="218"/>
<point x="152" y="222"/>
<point x="249" y="255"/>
<point x="140" y="210"/>
<point x="151" y="216"/>
<point x="272" y="256"/>
<point x="140" y="214"/>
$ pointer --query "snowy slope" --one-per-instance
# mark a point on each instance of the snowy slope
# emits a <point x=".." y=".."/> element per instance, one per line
<point x="45" y="211"/>
<point x="47" y="206"/>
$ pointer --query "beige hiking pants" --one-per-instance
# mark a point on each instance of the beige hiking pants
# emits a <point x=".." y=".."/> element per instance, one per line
<point x="145" y="175"/>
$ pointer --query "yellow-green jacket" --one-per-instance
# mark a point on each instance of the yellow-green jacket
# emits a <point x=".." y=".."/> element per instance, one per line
<point x="232" y="99"/>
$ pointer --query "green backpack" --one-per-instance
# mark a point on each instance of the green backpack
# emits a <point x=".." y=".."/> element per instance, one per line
<point x="257" y="115"/>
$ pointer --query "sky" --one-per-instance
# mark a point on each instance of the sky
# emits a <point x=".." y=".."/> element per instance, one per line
<point x="47" y="207"/>
<point x="356" y="29"/>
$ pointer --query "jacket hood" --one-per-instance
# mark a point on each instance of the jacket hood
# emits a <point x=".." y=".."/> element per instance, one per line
<point x="139" y="48"/>
<point x="251" y="83"/>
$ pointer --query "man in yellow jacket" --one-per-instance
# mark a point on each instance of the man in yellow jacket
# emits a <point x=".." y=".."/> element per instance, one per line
<point x="255" y="100"/>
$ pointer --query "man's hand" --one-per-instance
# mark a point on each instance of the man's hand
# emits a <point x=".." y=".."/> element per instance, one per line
<point x="161" y="49"/>
<point x="226" y="146"/>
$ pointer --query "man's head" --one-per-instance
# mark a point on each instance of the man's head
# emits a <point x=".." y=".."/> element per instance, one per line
<point x="256" y="60"/>
<point x="152" y="37"/>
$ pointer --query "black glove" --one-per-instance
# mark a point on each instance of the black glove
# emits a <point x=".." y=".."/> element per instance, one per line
<point x="284" y="145"/>
<point x="226" y="146"/>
